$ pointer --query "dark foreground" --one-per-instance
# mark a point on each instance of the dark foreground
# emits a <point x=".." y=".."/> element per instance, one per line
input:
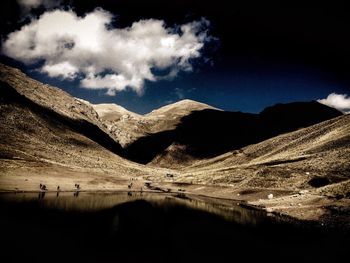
<point x="154" y="228"/>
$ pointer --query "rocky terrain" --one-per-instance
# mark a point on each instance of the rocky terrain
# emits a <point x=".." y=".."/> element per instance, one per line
<point x="126" y="127"/>
<point x="206" y="133"/>
<point x="305" y="173"/>
<point x="49" y="137"/>
<point x="292" y="159"/>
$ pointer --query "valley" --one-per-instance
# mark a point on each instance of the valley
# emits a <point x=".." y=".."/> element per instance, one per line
<point x="296" y="153"/>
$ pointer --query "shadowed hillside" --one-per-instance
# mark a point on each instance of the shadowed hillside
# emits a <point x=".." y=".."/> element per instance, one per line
<point x="207" y="133"/>
<point x="127" y="127"/>
<point x="54" y="143"/>
<point x="12" y="101"/>
<point x="312" y="157"/>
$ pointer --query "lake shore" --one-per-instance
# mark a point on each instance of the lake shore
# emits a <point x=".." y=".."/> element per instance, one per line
<point x="307" y="206"/>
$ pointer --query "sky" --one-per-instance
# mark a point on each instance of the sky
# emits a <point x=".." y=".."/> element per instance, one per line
<point x="145" y="54"/>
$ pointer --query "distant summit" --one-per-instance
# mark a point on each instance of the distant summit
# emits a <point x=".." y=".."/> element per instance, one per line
<point x="127" y="126"/>
<point x="182" y="107"/>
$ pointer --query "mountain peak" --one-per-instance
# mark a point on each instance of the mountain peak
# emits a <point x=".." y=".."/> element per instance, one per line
<point x="182" y="107"/>
<point x="112" y="111"/>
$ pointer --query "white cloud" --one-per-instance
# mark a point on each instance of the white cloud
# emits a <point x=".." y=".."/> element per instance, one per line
<point x="338" y="101"/>
<point x="112" y="58"/>
<point x="64" y="70"/>
<point x="27" y="5"/>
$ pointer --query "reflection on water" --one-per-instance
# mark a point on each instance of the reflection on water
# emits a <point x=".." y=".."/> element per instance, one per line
<point x="41" y="195"/>
<point x="88" y="202"/>
<point x="132" y="227"/>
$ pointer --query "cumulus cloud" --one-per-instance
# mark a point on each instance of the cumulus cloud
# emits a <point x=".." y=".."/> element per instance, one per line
<point x="27" y="5"/>
<point x="338" y="101"/>
<point x="89" y="49"/>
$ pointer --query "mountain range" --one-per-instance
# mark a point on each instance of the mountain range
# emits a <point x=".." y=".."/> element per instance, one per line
<point x="48" y="135"/>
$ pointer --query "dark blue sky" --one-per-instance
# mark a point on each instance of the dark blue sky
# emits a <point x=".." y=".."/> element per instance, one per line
<point x="246" y="89"/>
<point x="264" y="54"/>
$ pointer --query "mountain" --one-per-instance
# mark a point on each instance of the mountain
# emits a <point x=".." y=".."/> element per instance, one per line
<point x="113" y="112"/>
<point x="209" y="132"/>
<point x="322" y="149"/>
<point x="49" y="137"/>
<point x="304" y="174"/>
<point x="126" y="127"/>
<point x="316" y="158"/>
<point x="47" y="96"/>
<point x="18" y="89"/>
<point x="120" y="123"/>
<point x="173" y="136"/>
<point x="178" y="109"/>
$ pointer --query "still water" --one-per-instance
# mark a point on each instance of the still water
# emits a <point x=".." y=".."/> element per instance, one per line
<point x="100" y="227"/>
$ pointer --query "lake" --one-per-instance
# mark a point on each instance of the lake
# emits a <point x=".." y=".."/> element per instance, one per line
<point x="140" y="227"/>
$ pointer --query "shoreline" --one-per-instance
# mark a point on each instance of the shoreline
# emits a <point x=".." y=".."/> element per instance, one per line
<point x="332" y="223"/>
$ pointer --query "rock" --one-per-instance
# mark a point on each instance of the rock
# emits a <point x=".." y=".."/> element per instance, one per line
<point x="270" y="196"/>
<point x="302" y="192"/>
<point x="269" y="210"/>
<point x="169" y="175"/>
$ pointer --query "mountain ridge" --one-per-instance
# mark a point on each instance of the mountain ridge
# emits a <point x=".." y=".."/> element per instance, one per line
<point x="195" y="129"/>
<point x="48" y="137"/>
<point x="208" y="132"/>
<point x="127" y="126"/>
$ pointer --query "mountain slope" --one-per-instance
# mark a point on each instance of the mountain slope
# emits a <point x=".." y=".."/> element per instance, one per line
<point x="54" y="145"/>
<point x="118" y="121"/>
<point x="293" y="160"/>
<point x="174" y="135"/>
<point x="126" y="127"/>
<point x="178" y="109"/>
<point x="48" y="96"/>
<point x="304" y="174"/>
<point x="207" y="133"/>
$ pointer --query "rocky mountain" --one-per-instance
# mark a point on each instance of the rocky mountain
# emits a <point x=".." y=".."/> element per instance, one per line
<point x="47" y="96"/>
<point x="310" y="157"/>
<point x="173" y="136"/>
<point x="209" y="132"/>
<point x="304" y="174"/>
<point x="46" y="131"/>
<point x="126" y="127"/>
